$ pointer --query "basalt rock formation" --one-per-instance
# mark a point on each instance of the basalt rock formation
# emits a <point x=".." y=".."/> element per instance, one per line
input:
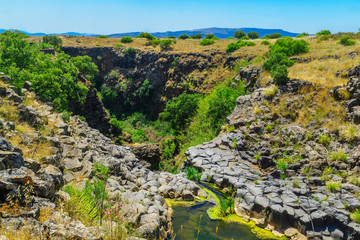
<point x="296" y="194"/>
<point x="33" y="181"/>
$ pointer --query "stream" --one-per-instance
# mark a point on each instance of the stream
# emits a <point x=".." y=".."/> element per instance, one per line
<point x="188" y="225"/>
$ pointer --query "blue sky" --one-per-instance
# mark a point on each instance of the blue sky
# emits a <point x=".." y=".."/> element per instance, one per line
<point x="115" y="16"/>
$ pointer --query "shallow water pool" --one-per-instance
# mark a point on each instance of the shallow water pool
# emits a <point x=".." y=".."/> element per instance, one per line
<point x="188" y="225"/>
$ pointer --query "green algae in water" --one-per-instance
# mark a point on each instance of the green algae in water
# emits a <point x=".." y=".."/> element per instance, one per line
<point x="187" y="225"/>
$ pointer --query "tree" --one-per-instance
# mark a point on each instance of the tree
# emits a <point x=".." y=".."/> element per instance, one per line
<point x="323" y="32"/>
<point x="239" y="34"/>
<point x="86" y="66"/>
<point x="209" y="36"/>
<point x="180" y="110"/>
<point x="184" y="36"/>
<point x="126" y="40"/>
<point x="53" y="40"/>
<point x="253" y="35"/>
<point x="146" y="35"/>
<point x="166" y="44"/>
<point x="197" y="36"/>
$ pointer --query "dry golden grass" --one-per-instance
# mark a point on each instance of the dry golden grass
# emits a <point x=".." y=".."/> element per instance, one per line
<point x="29" y="100"/>
<point x="329" y="47"/>
<point x="45" y="214"/>
<point x="24" y="128"/>
<point x="188" y="45"/>
<point x="8" y="111"/>
<point x="34" y="150"/>
<point x="323" y="71"/>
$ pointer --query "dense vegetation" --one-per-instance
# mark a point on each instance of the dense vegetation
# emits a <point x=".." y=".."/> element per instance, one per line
<point x="55" y="78"/>
<point x="232" y="47"/>
<point x="278" y="62"/>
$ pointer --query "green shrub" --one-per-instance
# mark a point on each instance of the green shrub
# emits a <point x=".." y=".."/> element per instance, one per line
<point x="225" y="204"/>
<point x="154" y="42"/>
<point x="193" y="174"/>
<point x="277" y="59"/>
<point x="206" y="42"/>
<point x="183" y="36"/>
<point x="282" y="164"/>
<point x="118" y="45"/>
<point x="304" y="34"/>
<point x="171" y="37"/>
<point x="108" y="95"/>
<point x="279" y="74"/>
<point x="324" y="139"/>
<point x="349" y="133"/>
<point x="197" y="36"/>
<point x="333" y="186"/>
<point x="235" y="46"/>
<point x="355" y="180"/>
<point x="257" y="156"/>
<point x="265" y="42"/>
<point x="269" y="128"/>
<point x="239" y="34"/>
<point x="355" y="216"/>
<point x="296" y="183"/>
<point x="270" y="91"/>
<point x="166" y="44"/>
<point x="65" y="116"/>
<point x="175" y="62"/>
<point x="139" y="136"/>
<point x="126" y="39"/>
<point x="323" y="32"/>
<point x="272" y="36"/>
<point x="179" y="111"/>
<point x="115" y="126"/>
<point x="346" y="41"/>
<point x="146" y="35"/>
<point x="55" y="78"/>
<point x="253" y="35"/>
<point x="245" y="38"/>
<point x="87" y="204"/>
<point x="131" y="52"/>
<point x="53" y="40"/>
<point x="86" y="66"/>
<point x="289" y="46"/>
<point x="103" y="36"/>
<point x="339" y="155"/>
<point x="209" y="36"/>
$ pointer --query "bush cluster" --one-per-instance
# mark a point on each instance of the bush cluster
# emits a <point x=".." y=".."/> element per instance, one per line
<point x="253" y="35"/>
<point x="346" y="41"/>
<point x="126" y="40"/>
<point x="239" y="34"/>
<point x="207" y="41"/>
<point x="197" y="36"/>
<point x="272" y="36"/>
<point x="278" y="62"/>
<point x="183" y="36"/>
<point x="54" y="41"/>
<point x="146" y="35"/>
<point x="53" y="77"/>
<point x="323" y="32"/>
<point x="232" y="47"/>
<point x="166" y="44"/>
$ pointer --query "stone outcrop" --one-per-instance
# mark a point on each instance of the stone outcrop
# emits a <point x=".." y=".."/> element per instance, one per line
<point x="292" y="197"/>
<point x="169" y="74"/>
<point x="75" y="147"/>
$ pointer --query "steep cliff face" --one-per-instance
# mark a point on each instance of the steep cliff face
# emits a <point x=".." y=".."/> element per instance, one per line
<point x="167" y="74"/>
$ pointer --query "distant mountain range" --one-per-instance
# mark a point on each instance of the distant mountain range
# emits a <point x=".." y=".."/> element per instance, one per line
<point x="43" y="34"/>
<point x="218" y="32"/>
